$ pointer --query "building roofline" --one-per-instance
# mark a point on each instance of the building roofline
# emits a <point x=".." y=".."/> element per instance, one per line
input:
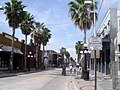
<point x="104" y="19"/>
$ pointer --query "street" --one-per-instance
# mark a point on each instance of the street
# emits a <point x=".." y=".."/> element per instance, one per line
<point x="44" y="80"/>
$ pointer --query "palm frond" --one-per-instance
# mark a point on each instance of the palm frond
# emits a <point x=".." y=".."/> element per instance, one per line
<point x="73" y="5"/>
<point x="80" y="2"/>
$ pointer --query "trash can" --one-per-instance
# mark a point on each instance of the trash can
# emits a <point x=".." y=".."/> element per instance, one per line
<point x="86" y="75"/>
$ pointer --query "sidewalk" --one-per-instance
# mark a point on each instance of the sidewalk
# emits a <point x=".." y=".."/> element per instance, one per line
<point x="9" y="74"/>
<point x="80" y="84"/>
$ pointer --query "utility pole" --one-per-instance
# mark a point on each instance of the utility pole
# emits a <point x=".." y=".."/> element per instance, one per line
<point x="95" y="50"/>
<point x="95" y="70"/>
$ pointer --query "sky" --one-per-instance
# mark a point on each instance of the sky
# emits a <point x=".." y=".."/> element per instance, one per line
<point x="55" y="15"/>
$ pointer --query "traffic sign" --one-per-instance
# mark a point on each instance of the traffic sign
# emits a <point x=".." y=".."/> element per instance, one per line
<point x="95" y="43"/>
<point x="95" y="46"/>
<point x="95" y="40"/>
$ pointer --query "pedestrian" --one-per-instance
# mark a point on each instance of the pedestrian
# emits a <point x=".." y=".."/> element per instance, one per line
<point x="80" y="69"/>
<point x="77" y="70"/>
<point x="64" y="69"/>
<point x="74" y="69"/>
<point x="71" y="68"/>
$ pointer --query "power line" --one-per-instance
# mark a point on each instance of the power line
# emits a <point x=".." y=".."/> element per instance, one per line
<point x="100" y="7"/>
<point x="98" y="12"/>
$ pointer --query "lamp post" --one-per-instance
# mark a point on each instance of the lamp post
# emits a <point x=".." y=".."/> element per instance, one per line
<point x="29" y="60"/>
<point x="28" y="65"/>
<point x="85" y="51"/>
<point x="85" y="72"/>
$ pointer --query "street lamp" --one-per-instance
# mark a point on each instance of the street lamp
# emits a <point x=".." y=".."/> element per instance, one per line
<point x="29" y="60"/>
<point x="85" y="51"/>
<point x="92" y="2"/>
<point x="85" y="72"/>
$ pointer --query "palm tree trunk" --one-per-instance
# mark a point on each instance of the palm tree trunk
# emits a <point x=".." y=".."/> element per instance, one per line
<point x="78" y="58"/>
<point x="37" y="47"/>
<point x="84" y="61"/>
<point x="84" y="36"/>
<point x="84" y="43"/>
<point x="25" y="50"/>
<point x="38" y="60"/>
<point x="12" y="51"/>
<point x="43" y="53"/>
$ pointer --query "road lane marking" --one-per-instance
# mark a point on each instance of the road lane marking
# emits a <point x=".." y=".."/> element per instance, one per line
<point x="75" y="88"/>
<point x="36" y="78"/>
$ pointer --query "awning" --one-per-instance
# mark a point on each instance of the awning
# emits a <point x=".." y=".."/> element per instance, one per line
<point x="18" y="51"/>
<point x="9" y="49"/>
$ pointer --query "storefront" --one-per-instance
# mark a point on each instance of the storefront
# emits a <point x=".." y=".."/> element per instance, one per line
<point x="5" y="52"/>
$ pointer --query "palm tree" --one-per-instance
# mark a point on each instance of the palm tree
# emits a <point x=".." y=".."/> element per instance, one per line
<point x="67" y="54"/>
<point x="82" y="14"/>
<point x="37" y="36"/>
<point x="27" y="27"/>
<point x="14" y="15"/>
<point x="46" y="36"/>
<point x="83" y="17"/>
<point x="78" y="47"/>
<point x="62" y="51"/>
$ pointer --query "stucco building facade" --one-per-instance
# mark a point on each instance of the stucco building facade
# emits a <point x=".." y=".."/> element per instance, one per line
<point x="109" y="32"/>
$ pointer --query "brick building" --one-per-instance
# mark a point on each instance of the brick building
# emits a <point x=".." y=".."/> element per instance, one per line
<point x="19" y="49"/>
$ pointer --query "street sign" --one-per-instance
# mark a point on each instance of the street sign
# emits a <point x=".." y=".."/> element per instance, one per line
<point x="95" y="43"/>
<point x="95" y="40"/>
<point x="95" y="46"/>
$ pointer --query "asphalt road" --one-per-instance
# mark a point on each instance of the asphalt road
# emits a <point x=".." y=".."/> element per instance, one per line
<point x="44" y="80"/>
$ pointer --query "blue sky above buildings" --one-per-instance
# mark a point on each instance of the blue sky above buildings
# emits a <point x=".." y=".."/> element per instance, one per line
<point x="54" y="13"/>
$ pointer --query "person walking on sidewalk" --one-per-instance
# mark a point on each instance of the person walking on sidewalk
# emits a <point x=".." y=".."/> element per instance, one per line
<point x="71" y="67"/>
<point x="77" y="70"/>
<point x="64" y="69"/>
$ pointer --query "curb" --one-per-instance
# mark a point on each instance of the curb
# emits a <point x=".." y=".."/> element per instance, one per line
<point x="21" y="73"/>
<point x="3" y="76"/>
